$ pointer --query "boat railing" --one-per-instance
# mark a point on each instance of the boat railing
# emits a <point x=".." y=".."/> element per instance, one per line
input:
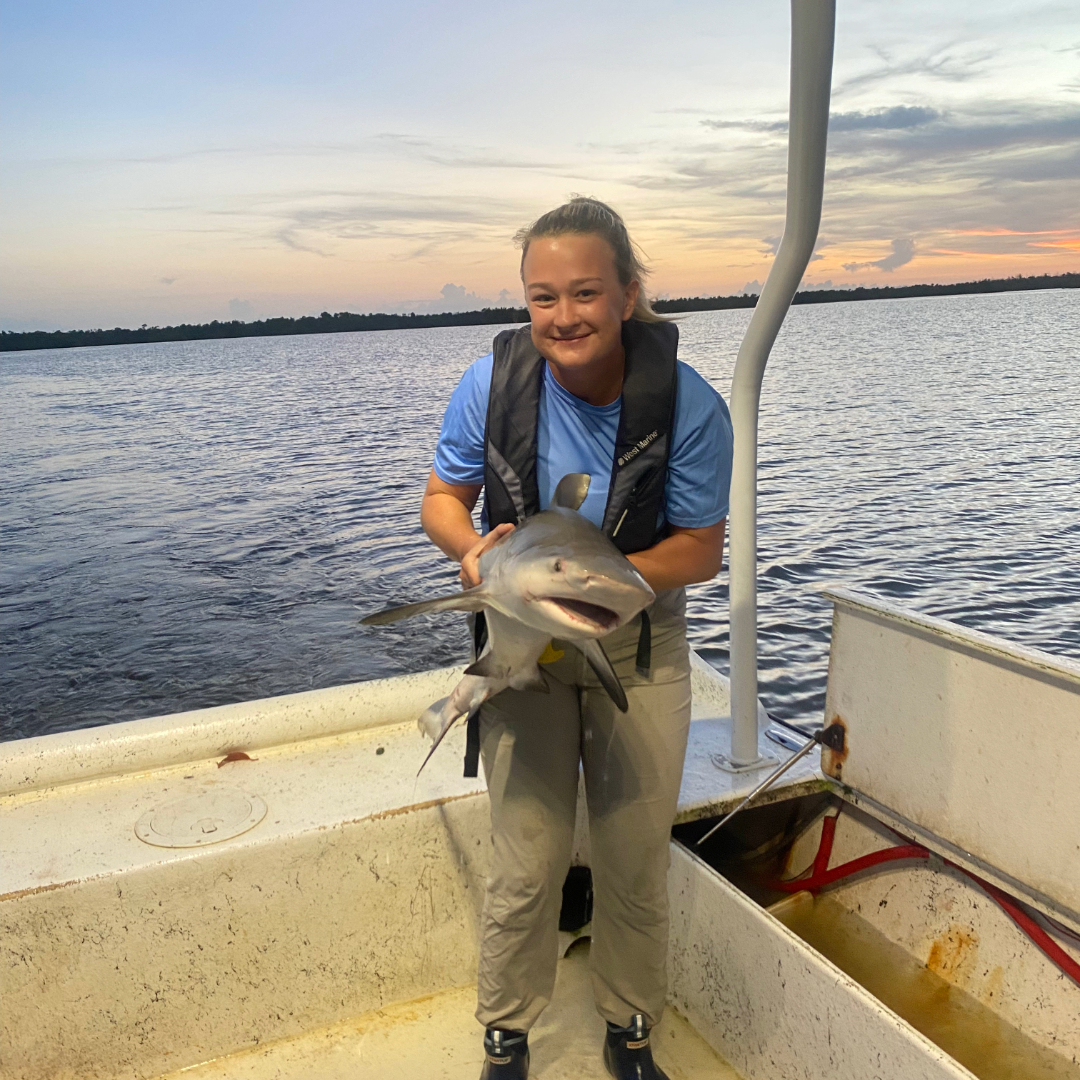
<point x="812" y="32"/>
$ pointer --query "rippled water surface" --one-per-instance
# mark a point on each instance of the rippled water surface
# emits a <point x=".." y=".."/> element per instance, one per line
<point x="189" y="524"/>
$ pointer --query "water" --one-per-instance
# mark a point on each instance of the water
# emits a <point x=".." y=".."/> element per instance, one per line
<point x="754" y="852"/>
<point x="190" y="524"/>
<point x="962" y="1026"/>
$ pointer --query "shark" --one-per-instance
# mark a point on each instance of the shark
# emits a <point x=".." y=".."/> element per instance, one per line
<point x="556" y="576"/>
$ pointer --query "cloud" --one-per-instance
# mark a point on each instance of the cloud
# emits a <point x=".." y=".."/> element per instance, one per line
<point x="902" y="135"/>
<point x="457" y="156"/>
<point x="745" y="125"/>
<point x="456" y="298"/>
<point x="903" y="251"/>
<point x="241" y="310"/>
<point x="166" y="280"/>
<point x="941" y="63"/>
<point x="289" y="239"/>
<point x="1068" y="245"/>
<point x="894" y="170"/>
<point x="993" y="126"/>
<point x="317" y="222"/>
<point x="772" y="246"/>
<point x="896" y="117"/>
<point x="752" y="288"/>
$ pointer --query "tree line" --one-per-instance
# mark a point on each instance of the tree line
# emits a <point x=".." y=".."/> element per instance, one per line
<point x="347" y="321"/>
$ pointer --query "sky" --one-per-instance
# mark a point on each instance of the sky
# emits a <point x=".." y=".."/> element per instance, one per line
<point x="163" y="162"/>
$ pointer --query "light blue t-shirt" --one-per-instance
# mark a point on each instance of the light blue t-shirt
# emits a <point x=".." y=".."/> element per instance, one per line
<point x="574" y="436"/>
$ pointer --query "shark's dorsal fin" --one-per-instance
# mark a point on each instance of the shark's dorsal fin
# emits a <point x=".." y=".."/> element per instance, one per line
<point x="572" y="489"/>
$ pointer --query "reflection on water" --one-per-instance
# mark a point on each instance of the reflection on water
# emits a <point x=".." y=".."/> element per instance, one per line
<point x="961" y="1025"/>
<point x="188" y="524"/>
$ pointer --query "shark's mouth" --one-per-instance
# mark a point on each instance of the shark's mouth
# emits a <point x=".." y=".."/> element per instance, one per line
<point x="585" y="614"/>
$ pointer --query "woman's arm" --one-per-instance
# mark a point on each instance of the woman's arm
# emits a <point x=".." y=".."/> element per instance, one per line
<point x="446" y="516"/>
<point x="684" y="557"/>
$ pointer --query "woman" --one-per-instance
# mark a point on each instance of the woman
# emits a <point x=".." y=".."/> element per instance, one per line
<point x="591" y="385"/>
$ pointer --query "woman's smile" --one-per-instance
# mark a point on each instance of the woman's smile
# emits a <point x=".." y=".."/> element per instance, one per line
<point x="571" y="339"/>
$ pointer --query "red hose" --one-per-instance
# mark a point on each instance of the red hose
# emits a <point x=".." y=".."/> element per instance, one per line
<point x="818" y="881"/>
<point x="821" y="876"/>
<point x="824" y="851"/>
<point x="1051" y="949"/>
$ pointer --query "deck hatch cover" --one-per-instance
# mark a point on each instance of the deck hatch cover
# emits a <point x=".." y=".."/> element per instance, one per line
<point x="200" y="819"/>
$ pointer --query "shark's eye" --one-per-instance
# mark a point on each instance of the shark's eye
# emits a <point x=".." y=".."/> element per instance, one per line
<point x="557" y="567"/>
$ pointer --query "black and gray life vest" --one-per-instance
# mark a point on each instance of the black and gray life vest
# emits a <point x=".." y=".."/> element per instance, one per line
<point x="639" y="471"/>
<point x="633" y="517"/>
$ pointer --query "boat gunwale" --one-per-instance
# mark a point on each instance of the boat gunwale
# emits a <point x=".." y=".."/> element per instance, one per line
<point x="1033" y="661"/>
<point x="171" y="740"/>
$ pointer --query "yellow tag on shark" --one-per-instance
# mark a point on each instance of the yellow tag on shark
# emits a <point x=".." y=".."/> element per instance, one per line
<point x="551" y="654"/>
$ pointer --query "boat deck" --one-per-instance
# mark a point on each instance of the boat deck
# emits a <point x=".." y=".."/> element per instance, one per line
<point x="217" y="947"/>
<point x="437" y="1037"/>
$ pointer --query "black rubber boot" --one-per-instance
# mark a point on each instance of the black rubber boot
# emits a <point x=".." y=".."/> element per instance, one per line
<point x="627" y="1054"/>
<point x="506" y="1055"/>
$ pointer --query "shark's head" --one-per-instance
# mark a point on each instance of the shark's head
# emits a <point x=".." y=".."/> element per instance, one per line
<point x="560" y="574"/>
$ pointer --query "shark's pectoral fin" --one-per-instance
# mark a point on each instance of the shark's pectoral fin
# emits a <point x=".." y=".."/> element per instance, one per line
<point x="486" y="667"/>
<point x="469" y="600"/>
<point x="571" y="490"/>
<point x="601" y="665"/>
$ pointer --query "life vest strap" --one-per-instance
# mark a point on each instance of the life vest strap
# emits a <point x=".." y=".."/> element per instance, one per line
<point x="644" y="647"/>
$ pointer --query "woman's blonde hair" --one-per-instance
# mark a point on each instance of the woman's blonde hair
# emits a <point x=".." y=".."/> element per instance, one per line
<point x="586" y="216"/>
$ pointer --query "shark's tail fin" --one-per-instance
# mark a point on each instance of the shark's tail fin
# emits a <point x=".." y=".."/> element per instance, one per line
<point x="432" y="721"/>
<point x="437" y="720"/>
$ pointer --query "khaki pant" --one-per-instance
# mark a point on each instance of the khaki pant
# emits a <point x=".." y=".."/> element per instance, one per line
<point x="531" y="745"/>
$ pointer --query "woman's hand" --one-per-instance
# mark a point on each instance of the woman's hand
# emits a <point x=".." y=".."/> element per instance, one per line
<point x="470" y="563"/>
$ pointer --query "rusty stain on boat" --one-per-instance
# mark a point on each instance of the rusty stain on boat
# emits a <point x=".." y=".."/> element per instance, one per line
<point x="235" y="755"/>
<point x="832" y="760"/>
<point x="954" y="949"/>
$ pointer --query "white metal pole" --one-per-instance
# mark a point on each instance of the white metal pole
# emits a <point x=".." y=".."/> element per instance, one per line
<point x="812" y="30"/>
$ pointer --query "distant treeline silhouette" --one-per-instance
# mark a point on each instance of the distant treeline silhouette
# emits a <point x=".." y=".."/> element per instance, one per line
<point x="346" y="321"/>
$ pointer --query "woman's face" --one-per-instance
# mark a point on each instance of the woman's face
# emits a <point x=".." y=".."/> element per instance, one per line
<point x="575" y="299"/>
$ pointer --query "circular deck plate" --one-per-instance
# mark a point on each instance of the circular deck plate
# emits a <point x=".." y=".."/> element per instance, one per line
<point x="200" y="819"/>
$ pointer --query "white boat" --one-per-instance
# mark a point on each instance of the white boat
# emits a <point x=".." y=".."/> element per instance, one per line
<point x="269" y="889"/>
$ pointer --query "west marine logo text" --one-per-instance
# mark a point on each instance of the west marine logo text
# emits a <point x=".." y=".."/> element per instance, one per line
<point x="636" y="449"/>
